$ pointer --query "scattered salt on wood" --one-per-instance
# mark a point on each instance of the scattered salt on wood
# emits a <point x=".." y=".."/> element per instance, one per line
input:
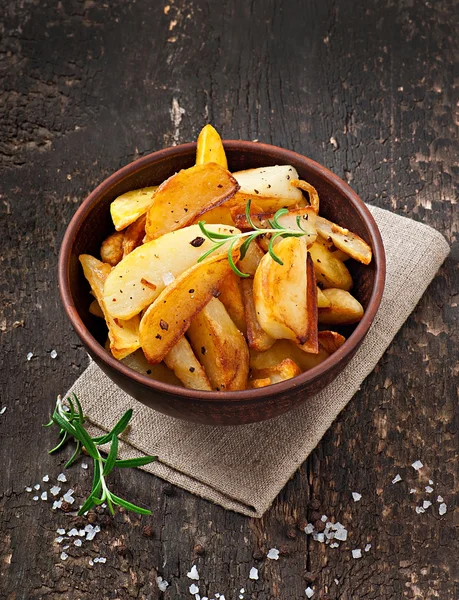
<point x="59" y="539"/>
<point x="35" y="498"/>
<point x="44" y="496"/>
<point x="29" y="355"/>
<point x="61" y="477"/>
<point x="60" y="531"/>
<point x="64" y="556"/>
<point x="84" y="465"/>
<point x="55" y="490"/>
<point x="194" y="589"/>
<point x="53" y="354"/>
<point x="73" y="532"/>
<point x="357" y="553"/>
<point x="28" y="489"/>
<point x="193" y="574"/>
<point x="356" y="496"/>
<point x="57" y="504"/>
<point x="324" y="518"/>
<point x="396" y="479"/>
<point x="309" y="528"/>
<point x="91" y="562"/>
<point x="3" y="410"/>
<point x="367" y="547"/>
<point x="431" y="482"/>
<point x="426" y="504"/>
<point x="162" y="584"/>
<point x="78" y="542"/>
<point x="253" y="573"/>
<point x="417" y="465"/>
<point x="420" y="510"/>
<point x="336" y="581"/>
<point x="439" y="498"/>
<point x="334" y="545"/>
<point x="442" y="509"/>
<point x="45" y="478"/>
<point x="273" y="554"/>
<point x="309" y="592"/>
<point x="36" y="486"/>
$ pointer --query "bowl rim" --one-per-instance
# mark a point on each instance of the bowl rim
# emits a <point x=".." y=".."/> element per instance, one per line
<point x="96" y="349"/>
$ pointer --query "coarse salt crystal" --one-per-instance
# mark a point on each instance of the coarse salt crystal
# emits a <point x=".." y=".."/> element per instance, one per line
<point x="162" y="584"/>
<point x="357" y="553"/>
<point x="336" y="581"/>
<point x="68" y="497"/>
<point x="193" y="574"/>
<point x="321" y="538"/>
<point x="29" y="355"/>
<point x="426" y="504"/>
<point x="85" y="466"/>
<point x="396" y="479"/>
<point x="417" y="465"/>
<point x="102" y="559"/>
<point x="309" y="528"/>
<point x="3" y="410"/>
<point x="73" y="532"/>
<point x="341" y="535"/>
<point x="442" y="509"/>
<point x="168" y="278"/>
<point x="55" y="490"/>
<point x="57" y="504"/>
<point x="53" y="354"/>
<point x="253" y="573"/>
<point x="356" y="496"/>
<point x="81" y="532"/>
<point x="273" y="554"/>
<point x="412" y="490"/>
<point x="64" y="556"/>
<point x="324" y="518"/>
<point x="420" y="510"/>
<point x="35" y="498"/>
<point x="61" y="477"/>
<point x="309" y="592"/>
<point x="66" y="547"/>
<point x="334" y="545"/>
<point x="78" y="542"/>
<point x="367" y="547"/>
<point x="45" y="478"/>
<point x="36" y="486"/>
<point x="92" y="533"/>
<point x="431" y="482"/>
<point x="242" y="591"/>
<point x="44" y="496"/>
<point x="194" y="589"/>
<point x="59" y="539"/>
<point x="91" y="562"/>
<point x="60" y="531"/>
<point x="28" y="489"/>
<point x="439" y="498"/>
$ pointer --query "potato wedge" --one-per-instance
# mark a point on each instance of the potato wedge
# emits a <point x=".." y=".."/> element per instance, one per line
<point x="128" y="207"/>
<point x="140" y="277"/>
<point x="170" y="315"/>
<point x="249" y="264"/>
<point x="257" y="337"/>
<point x="210" y="148"/>
<point x="270" y="182"/>
<point x="111" y="250"/>
<point x="123" y="334"/>
<point x="284" y="308"/>
<point x="329" y="245"/>
<point x="283" y="349"/>
<point x="345" y="240"/>
<point x="183" y="362"/>
<point x="311" y="344"/>
<point x="331" y="340"/>
<point x="312" y="192"/>
<point x="344" y="309"/>
<point x="322" y="300"/>
<point x="221" y="347"/>
<point x="94" y="309"/>
<point x="137" y="362"/>
<point x="284" y="370"/>
<point x="231" y="298"/>
<point x="186" y="195"/>
<point x="220" y="215"/>
<point x="133" y="235"/>
<point x="330" y="271"/>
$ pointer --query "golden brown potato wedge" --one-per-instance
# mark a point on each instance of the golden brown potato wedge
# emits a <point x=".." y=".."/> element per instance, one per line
<point x="170" y="315"/>
<point x="130" y="206"/>
<point x="330" y="271"/>
<point x="221" y="347"/>
<point x="186" y="195"/>
<point x="123" y="334"/>
<point x="94" y="309"/>
<point x="220" y="215"/>
<point x="283" y="349"/>
<point x="272" y="183"/>
<point x="159" y="372"/>
<point x="284" y="370"/>
<point x="285" y="294"/>
<point x="346" y="241"/>
<point x="142" y="275"/>
<point x="331" y="340"/>
<point x="329" y="245"/>
<point x="111" y="250"/>
<point x="249" y="264"/>
<point x="183" y="362"/>
<point x="210" y="148"/>
<point x="133" y="235"/>
<point x="312" y="192"/>
<point x="322" y="300"/>
<point x="231" y="297"/>
<point x="344" y="309"/>
<point x="257" y="337"/>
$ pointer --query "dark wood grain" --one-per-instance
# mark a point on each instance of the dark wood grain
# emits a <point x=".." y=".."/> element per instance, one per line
<point x="366" y="89"/>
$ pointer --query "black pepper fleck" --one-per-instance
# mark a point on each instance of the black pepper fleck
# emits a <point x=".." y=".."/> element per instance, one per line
<point x="199" y="241"/>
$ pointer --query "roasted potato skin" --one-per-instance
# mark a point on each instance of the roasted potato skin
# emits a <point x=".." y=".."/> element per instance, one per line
<point x="111" y="250"/>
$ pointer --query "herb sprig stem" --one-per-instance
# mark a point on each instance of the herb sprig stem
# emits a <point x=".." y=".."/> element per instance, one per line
<point x="70" y="419"/>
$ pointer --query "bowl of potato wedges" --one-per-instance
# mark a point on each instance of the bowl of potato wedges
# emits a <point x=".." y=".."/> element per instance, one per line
<point x="222" y="282"/>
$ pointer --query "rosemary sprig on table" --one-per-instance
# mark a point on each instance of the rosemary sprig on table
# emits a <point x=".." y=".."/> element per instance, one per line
<point x="70" y="420"/>
<point x="275" y="230"/>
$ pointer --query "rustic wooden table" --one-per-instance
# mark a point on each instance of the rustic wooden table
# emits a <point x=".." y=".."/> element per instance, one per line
<point x="367" y="89"/>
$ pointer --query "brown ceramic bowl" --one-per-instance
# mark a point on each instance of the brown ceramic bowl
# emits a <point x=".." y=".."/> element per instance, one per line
<point x="92" y="223"/>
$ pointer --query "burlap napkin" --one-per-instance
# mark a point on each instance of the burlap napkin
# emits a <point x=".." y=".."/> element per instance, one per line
<point x="244" y="468"/>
